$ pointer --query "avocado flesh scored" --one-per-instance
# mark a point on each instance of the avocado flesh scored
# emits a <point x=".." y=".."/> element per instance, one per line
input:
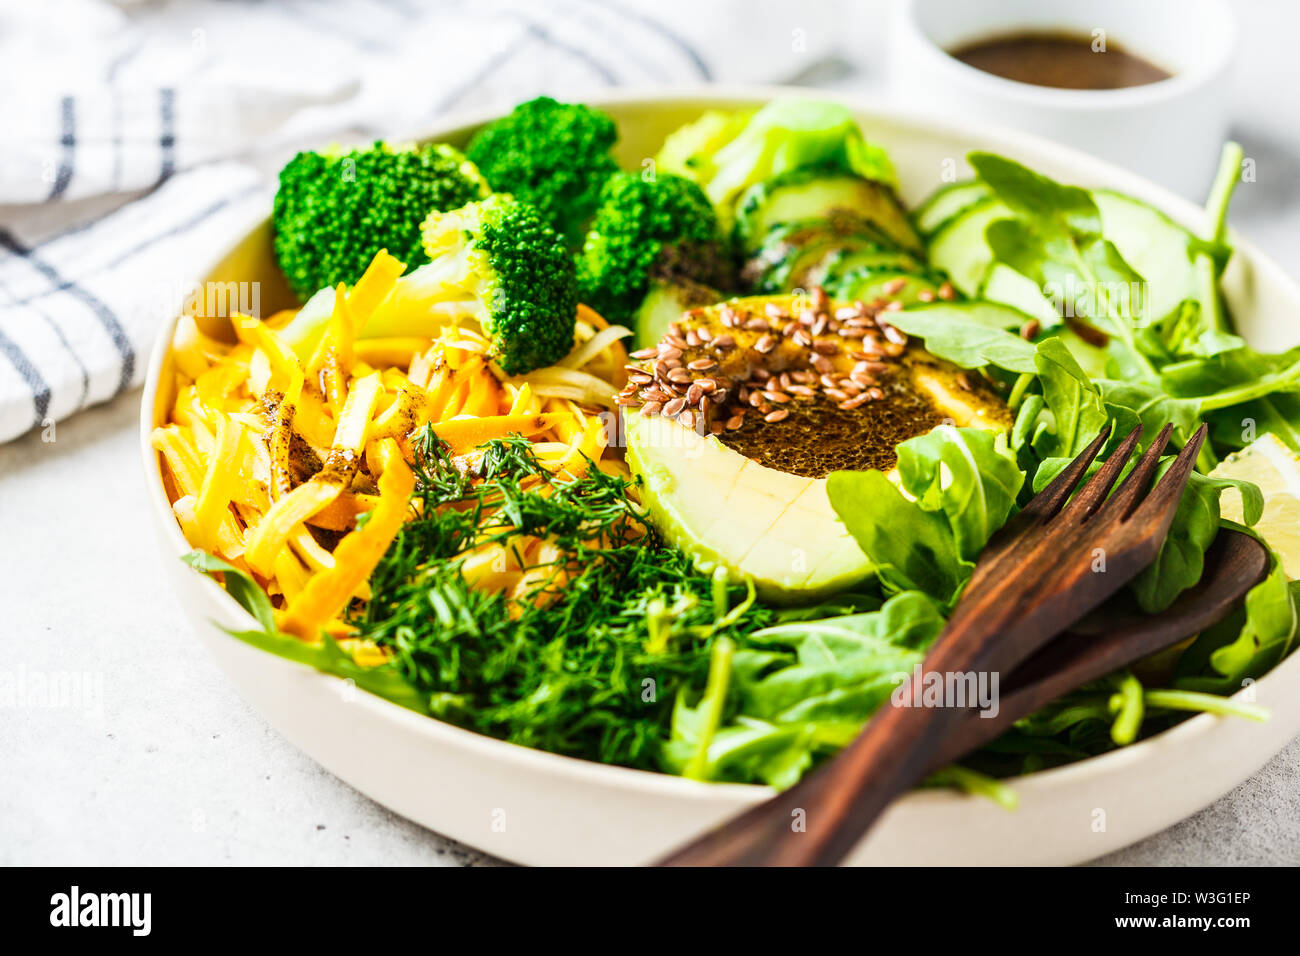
<point x="754" y="500"/>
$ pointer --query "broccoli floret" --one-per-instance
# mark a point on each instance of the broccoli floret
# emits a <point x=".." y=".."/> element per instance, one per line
<point x="499" y="261"/>
<point x="334" y="211"/>
<point x="553" y="155"/>
<point x="783" y="135"/>
<point x="647" y="235"/>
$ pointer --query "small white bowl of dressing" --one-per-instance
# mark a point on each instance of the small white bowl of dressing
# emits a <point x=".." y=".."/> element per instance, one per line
<point x="1141" y="84"/>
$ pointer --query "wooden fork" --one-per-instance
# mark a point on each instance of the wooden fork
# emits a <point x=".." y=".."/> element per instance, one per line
<point x="1060" y="558"/>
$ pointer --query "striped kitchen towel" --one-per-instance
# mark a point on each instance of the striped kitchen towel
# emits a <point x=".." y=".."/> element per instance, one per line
<point x="175" y="116"/>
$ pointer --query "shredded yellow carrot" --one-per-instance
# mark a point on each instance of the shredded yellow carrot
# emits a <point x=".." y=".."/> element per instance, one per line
<point x="271" y="453"/>
<point x="328" y="592"/>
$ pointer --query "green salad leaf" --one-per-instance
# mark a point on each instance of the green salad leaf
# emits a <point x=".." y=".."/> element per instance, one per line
<point x="1247" y="643"/>
<point x="385" y="680"/>
<point x="961" y="485"/>
<point x="970" y="334"/>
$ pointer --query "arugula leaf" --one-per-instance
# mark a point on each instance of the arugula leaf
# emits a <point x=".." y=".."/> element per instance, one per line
<point x="1152" y="407"/>
<point x="384" y="681"/>
<point x="909" y="547"/>
<point x="1181" y="560"/>
<point x="970" y="334"/>
<point x="1245" y="644"/>
<point x="1058" y="243"/>
<point x="969" y="474"/>
<point x="962" y="484"/>
<point x="1066" y="208"/>
<point x="239" y="586"/>
<point x="1238" y="425"/>
<point x="1233" y="377"/>
<point x="795" y="708"/>
<point x="1077" y="411"/>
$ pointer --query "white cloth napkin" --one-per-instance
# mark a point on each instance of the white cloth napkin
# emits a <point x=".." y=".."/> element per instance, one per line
<point x="179" y="113"/>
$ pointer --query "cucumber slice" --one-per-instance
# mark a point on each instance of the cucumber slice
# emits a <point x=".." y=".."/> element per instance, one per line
<point x="961" y="250"/>
<point x="861" y="261"/>
<point x="946" y="202"/>
<point x="664" y="304"/>
<point x="818" y="192"/>
<point x="810" y="265"/>
<point x="1005" y="285"/>
<point x="1160" y="250"/>
<point x="869" y="284"/>
<point x="791" y="249"/>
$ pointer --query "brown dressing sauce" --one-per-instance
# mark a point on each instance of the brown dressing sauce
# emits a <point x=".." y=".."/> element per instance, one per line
<point x="1063" y="60"/>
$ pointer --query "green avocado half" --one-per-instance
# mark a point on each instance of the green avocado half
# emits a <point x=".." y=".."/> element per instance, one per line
<point x="753" y="499"/>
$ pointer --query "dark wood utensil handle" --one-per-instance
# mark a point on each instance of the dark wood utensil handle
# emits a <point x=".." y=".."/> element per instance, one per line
<point x="1234" y="564"/>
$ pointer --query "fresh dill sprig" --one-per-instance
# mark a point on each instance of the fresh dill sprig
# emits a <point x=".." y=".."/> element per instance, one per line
<point x="592" y="673"/>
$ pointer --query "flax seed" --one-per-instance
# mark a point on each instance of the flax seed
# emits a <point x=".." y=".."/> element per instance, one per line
<point x="640" y="378"/>
<point x="652" y="408"/>
<point x="819" y="298"/>
<point x="853" y="332"/>
<point x="755" y="399"/>
<point x="825" y="347"/>
<point x="946" y="291"/>
<point x="719" y="397"/>
<point x="855" y="402"/>
<point x="846" y="313"/>
<point x="925" y="295"/>
<point x="757" y="325"/>
<point x="644" y="354"/>
<point x="735" y="421"/>
<point x="687" y="419"/>
<point x="627" y="400"/>
<point x="679" y="376"/>
<point x="894" y="286"/>
<point x="702" y="365"/>
<point x="773" y="396"/>
<point x="774" y="311"/>
<point x="894" y="334"/>
<point x="692" y="338"/>
<point x="765" y="344"/>
<point x="724" y="342"/>
<point x="777" y="415"/>
<point x="674" y="407"/>
<point x="803" y="391"/>
<point x="716" y="428"/>
<point x="705" y="404"/>
<point x="1031" y="329"/>
<point x="823" y="364"/>
<point x="802" y="337"/>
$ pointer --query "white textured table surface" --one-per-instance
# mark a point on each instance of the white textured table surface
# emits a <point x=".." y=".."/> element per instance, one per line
<point x="163" y="763"/>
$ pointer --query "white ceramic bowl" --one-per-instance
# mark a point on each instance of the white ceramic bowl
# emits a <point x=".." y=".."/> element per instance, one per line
<point x="539" y="808"/>
<point x="1169" y="131"/>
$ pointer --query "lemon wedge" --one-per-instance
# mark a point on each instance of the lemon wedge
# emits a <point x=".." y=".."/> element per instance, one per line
<point x="1275" y="468"/>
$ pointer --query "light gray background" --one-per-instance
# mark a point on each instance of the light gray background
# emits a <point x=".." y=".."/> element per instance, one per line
<point x="172" y="767"/>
